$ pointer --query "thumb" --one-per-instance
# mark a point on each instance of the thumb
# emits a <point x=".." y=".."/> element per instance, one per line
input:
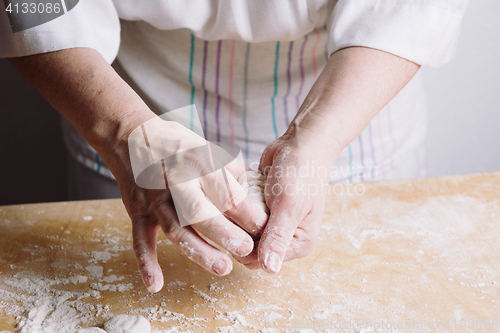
<point x="277" y="235"/>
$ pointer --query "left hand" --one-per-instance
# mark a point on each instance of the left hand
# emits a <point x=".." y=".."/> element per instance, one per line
<point x="298" y="170"/>
<point x="356" y="83"/>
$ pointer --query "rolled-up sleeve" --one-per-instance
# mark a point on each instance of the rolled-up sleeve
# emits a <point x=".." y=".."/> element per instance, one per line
<point x="91" y="23"/>
<point x="422" y="31"/>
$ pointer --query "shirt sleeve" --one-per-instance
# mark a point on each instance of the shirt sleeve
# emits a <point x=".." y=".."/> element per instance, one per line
<point x="91" y="23"/>
<point x="422" y="31"/>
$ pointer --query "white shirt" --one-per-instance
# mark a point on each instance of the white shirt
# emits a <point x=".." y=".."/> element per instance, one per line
<point x="247" y="65"/>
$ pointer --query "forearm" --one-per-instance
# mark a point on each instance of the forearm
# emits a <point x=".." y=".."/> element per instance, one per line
<point x="84" y="88"/>
<point x="355" y="85"/>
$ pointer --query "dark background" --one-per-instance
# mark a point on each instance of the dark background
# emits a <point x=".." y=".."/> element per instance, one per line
<point x="32" y="154"/>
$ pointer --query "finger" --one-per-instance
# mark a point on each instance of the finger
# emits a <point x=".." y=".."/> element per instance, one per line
<point x="226" y="234"/>
<point x="304" y="238"/>
<point x="230" y="198"/>
<point x="144" y="232"/>
<point x="277" y="236"/>
<point x="191" y="204"/>
<point x="248" y="216"/>
<point x="251" y="261"/>
<point x="190" y="243"/>
<point x="236" y="167"/>
<point x="196" y="210"/>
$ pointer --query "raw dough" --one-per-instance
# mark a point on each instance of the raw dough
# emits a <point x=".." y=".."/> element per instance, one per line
<point x="91" y="330"/>
<point x="127" y="324"/>
<point x="253" y="183"/>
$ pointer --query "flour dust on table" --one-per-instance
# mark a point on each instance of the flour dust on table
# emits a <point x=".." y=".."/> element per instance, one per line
<point x="91" y="330"/>
<point x="127" y="324"/>
<point x="122" y="324"/>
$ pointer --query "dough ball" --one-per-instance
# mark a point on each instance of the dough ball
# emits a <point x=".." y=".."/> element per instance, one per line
<point x="91" y="330"/>
<point x="127" y="324"/>
<point x="253" y="183"/>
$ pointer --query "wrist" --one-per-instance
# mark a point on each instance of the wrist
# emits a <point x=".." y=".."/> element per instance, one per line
<point x="315" y="131"/>
<point x="109" y="137"/>
<point x="114" y="129"/>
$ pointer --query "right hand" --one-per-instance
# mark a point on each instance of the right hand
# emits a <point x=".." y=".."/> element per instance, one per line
<point x="86" y="90"/>
<point x="202" y="203"/>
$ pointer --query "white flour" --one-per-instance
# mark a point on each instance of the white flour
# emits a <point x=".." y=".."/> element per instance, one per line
<point x="205" y="297"/>
<point x="236" y="318"/>
<point x="95" y="271"/>
<point x="46" y="309"/>
<point x="121" y="287"/>
<point x="440" y="228"/>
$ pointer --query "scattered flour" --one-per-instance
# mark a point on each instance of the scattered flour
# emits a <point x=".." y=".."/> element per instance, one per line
<point x="95" y="271"/>
<point x="272" y="316"/>
<point x="127" y="324"/>
<point x="100" y="256"/>
<point x="236" y="318"/>
<point x="189" y="251"/>
<point x="112" y="278"/>
<point x="41" y="306"/>
<point x="78" y="279"/>
<point x="91" y="330"/>
<point x="121" y="287"/>
<point x="45" y="309"/>
<point x="205" y="297"/>
<point x="175" y="283"/>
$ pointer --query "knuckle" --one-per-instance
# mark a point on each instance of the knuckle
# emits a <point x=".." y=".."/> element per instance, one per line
<point x="212" y="227"/>
<point x="141" y="223"/>
<point x="166" y="216"/>
<point x="137" y="213"/>
<point x="279" y="234"/>
<point x="157" y="199"/>
<point x="194" y="212"/>
<point x="141" y="199"/>
<point x="169" y="227"/>
<point x="303" y="246"/>
<point x="174" y="232"/>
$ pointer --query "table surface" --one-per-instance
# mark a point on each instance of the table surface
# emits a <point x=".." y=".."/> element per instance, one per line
<point x="414" y="255"/>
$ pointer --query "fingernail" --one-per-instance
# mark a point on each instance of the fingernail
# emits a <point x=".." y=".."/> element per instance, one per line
<point x="220" y="267"/>
<point x="244" y="249"/>
<point x="155" y="284"/>
<point x="273" y="262"/>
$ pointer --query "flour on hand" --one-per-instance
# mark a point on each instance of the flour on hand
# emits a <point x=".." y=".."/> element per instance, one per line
<point x="253" y="183"/>
<point x="127" y="324"/>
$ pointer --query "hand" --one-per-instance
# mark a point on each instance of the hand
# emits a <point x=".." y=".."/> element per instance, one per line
<point x="356" y="83"/>
<point x="297" y="172"/>
<point x="185" y="198"/>
<point x="81" y="85"/>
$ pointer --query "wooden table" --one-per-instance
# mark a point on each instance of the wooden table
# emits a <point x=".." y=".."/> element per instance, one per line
<point x="415" y="255"/>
